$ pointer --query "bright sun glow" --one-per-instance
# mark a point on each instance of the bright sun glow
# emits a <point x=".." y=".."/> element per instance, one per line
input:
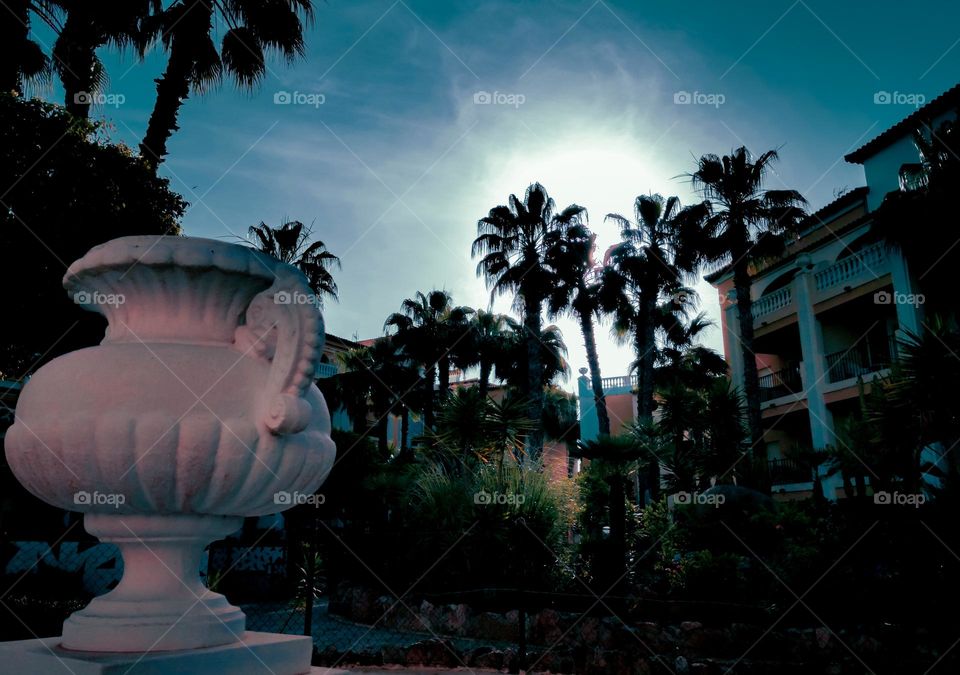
<point x="605" y="174"/>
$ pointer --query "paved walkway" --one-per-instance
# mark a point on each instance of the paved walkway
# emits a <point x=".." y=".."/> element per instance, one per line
<point x="394" y="671"/>
<point x="343" y="635"/>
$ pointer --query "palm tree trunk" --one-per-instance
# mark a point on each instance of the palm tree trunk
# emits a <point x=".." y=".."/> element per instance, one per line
<point x="532" y="325"/>
<point x="618" y="518"/>
<point x="444" y="366"/>
<point x="76" y="49"/>
<point x="382" y="430"/>
<point x="861" y="484"/>
<point x="645" y="346"/>
<point x="173" y="88"/>
<point x="593" y="362"/>
<point x="429" y="378"/>
<point x="404" y="428"/>
<point x="14" y="31"/>
<point x="646" y="334"/>
<point x="751" y="377"/>
<point x="484" y="385"/>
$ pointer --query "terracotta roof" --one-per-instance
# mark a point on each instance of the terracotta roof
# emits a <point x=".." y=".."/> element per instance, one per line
<point x="943" y="103"/>
<point x="351" y="344"/>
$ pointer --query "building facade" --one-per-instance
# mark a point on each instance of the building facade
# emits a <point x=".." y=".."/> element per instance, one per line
<point x="828" y="315"/>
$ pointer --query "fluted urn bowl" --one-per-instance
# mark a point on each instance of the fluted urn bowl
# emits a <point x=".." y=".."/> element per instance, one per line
<point x="197" y="409"/>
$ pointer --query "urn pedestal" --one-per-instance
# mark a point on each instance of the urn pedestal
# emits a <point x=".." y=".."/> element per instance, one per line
<point x="197" y="409"/>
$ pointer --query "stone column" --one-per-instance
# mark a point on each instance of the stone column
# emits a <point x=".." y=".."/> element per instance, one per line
<point x="732" y="323"/>
<point x="909" y="317"/>
<point x="813" y="365"/>
<point x="589" y="423"/>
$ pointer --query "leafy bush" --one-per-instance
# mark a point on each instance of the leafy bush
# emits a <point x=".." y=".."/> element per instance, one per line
<point x="66" y="189"/>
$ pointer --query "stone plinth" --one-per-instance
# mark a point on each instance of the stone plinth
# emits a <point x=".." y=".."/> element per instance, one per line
<point x="255" y="653"/>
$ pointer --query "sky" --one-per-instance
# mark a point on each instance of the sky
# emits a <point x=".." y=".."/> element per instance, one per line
<point x="408" y="120"/>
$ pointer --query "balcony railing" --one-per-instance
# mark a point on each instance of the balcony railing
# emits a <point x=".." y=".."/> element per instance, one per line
<point x="780" y="383"/>
<point x="867" y="356"/>
<point x="326" y="370"/>
<point x="786" y="470"/>
<point x="618" y="382"/>
<point x="766" y="304"/>
<point x="864" y="260"/>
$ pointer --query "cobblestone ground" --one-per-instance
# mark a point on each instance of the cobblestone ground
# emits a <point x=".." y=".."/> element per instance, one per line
<point x="341" y="634"/>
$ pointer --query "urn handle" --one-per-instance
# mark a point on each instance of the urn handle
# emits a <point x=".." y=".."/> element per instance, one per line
<point x="284" y="326"/>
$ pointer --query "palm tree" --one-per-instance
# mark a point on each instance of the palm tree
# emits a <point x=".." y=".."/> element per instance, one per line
<point x="512" y="242"/>
<point x="746" y="224"/>
<point x="911" y="218"/>
<point x="86" y="26"/>
<point x="511" y="367"/>
<point x="618" y="451"/>
<point x="21" y="59"/>
<point x="489" y="333"/>
<point x="651" y="260"/>
<point x="374" y="376"/>
<point x="290" y="243"/>
<point x="682" y="360"/>
<point x="428" y="327"/>
<point x="577" y="291"/>
<point x="455" y="331"/>
<point x="186" y="30"/>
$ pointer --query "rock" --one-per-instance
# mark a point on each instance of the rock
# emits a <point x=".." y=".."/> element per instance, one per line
<point x="485" y="657"/>
<point x="432" y="653"/>
<point x="426" y="616"/>
<point x="587" y="631"/>
<point x="493" y="626"/>
<point x="681" y="666"/>
<point x="866" y="644"/>
<point x="452" y="619"/>
<point x="393" y="655"/>
<point x="546" y="627"/>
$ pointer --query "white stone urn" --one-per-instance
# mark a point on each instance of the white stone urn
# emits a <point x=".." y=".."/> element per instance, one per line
<point x="197" y="409"/>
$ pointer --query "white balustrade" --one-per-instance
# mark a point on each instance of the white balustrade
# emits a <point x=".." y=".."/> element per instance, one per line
<point x="766" y="304"/>
<point x="864" y="261"/>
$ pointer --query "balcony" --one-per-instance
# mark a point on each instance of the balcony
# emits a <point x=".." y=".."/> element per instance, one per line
<point x="867" y="356"/>
<point x="786" y="471"/>
<point x="767" y="304"/>
<point x="326" y="370"/>
<point x="865" y="261"/>
<point x="619" y="382"/>
<point x="780" y="383"/>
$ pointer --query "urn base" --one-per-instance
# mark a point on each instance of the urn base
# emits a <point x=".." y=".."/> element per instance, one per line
<point x="160" y="603"/>
<point x="255" y="653"/>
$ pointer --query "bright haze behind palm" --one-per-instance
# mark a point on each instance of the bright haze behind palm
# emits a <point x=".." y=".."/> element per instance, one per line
<point x="382" y="139"/>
